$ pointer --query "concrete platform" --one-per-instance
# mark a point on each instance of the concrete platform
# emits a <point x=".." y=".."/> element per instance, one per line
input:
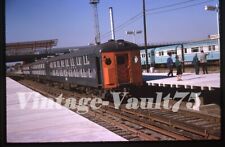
<point x="28" y="122"/>
<point x="156" y="76"/>
<point x="189" y="81"/>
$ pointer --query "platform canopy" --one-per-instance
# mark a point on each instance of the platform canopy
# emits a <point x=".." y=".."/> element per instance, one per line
<point x="32" y="44"/>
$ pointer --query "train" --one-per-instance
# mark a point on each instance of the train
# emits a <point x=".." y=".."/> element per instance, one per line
<point x="158" y="56"/>
<point x="113" y="65"/>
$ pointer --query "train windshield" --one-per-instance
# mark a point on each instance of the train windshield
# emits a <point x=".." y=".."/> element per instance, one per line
<point x="120" y="60"/>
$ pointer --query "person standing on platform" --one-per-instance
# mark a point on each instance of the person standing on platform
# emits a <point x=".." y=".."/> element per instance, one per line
<point x="195" y="62"/>
<point x="203" y="62"/>
<point x="170" y="65"/>
<point x="179" y="68"/>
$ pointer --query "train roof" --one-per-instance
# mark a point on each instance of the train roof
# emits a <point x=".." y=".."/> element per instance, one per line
<point x="190" y="44"/>
<point x="117" y="45"/>
<point x="111" y="45"/>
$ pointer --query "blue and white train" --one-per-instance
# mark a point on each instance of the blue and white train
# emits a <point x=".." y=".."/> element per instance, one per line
<point x="158" y="56"/>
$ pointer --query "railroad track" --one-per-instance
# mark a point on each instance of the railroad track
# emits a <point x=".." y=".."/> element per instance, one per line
<point x="135" y="125"/>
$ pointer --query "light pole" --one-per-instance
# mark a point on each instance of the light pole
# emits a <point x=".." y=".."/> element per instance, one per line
<point x="134" y="32"/>
<point x="215" y="8"/>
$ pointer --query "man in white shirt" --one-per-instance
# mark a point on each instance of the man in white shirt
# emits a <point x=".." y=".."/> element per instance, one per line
<point x="203" y="62"/>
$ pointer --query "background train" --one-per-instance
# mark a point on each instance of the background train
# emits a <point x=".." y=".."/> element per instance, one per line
<point x="158" y="56"/>
<point x="111" y="65"/>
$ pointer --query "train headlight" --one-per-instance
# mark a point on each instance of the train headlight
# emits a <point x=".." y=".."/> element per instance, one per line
<point x="135" y="59"/>
<point x="108" y="61"/>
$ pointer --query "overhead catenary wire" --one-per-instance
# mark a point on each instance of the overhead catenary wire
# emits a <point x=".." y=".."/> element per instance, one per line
<point x="151" y="12"/>
<point x="152" y="9"/>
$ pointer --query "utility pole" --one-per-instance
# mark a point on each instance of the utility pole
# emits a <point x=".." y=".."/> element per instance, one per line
<point x="97" y="32"/>
<point x="145" y="36"/>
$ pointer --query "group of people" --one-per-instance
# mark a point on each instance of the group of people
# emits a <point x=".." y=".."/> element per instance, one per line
<point x="202" y="61"/>
<point x="197" y="62"/>
<point x="178" y="64"/>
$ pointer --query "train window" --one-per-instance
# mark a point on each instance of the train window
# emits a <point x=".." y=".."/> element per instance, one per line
<point x="75" y="61"/>
<point x="149" y="55"/>
<point x="152" y="53"/>
<point x="74" y="73"/>
<point x="161" y="53"/>
<point x="67" y="63"/>
<point x="89" y="73"/>
<point x="120" y="60"/>
<point x="54" y="64"/>
<point x="210" y="48"/>
<point x="185" y="50"/>
<point x="58" y="63"/>
<point x="172" y="52"/>
<point x="78" y="60"/>
<point x="85" y="60"/>
<point x="50" y="65"/>
<point x="56" y="73"/>
<point x="70" y="73"/>
<point x="72" y="62"/>
<point x="195" y="49"/>
<point x="62" y="63"/>
<point x="77" y="72"/>
<point x="61" y="72"/>
<point x="65" y="73"/>
<point x="85" y="73"/>
<point x="53" y="72"/>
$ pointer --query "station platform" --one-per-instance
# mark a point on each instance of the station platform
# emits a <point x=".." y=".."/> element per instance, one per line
<point x="189" y="81"/>
<point x="29" y="121"/>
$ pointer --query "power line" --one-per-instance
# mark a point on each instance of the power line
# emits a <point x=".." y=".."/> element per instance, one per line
<point x="170" y="5"/>
<point x="139" y="15"/>
<point x="125" y="23"/>
<point x="180" y="7"/>
<point x="136" y="17"/>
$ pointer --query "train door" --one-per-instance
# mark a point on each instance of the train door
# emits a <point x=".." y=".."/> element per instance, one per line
<point x="122" y="68"/>
<point x="98" y="70"/>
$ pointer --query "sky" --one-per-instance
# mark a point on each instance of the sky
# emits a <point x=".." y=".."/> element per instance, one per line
<point x="72" y="21"/>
